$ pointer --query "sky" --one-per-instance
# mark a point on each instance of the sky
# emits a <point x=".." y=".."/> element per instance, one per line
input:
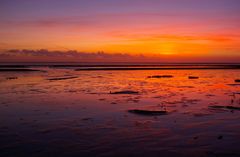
<point x="176" y="30"/>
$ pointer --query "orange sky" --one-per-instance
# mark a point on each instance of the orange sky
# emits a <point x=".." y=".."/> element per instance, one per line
<point x="188" y="29"/>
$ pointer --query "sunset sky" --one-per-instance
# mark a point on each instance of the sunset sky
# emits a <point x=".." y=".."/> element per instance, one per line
<point x="179" y="29"/>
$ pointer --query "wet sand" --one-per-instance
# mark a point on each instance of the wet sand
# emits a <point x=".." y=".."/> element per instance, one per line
<point x="65" y="112"/>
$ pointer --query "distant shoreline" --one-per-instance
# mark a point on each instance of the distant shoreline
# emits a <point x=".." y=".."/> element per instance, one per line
<point x="98" y="67"/>
<point x="158" y="68"/>
<point x="116" y="63"/>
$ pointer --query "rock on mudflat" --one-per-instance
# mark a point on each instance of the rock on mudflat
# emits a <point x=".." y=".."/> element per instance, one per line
<point x="62" y="78"/>
<point x="220" y="137"/>
<point x="125" y="92"/>
<point x="147" y="112"/>
<point x="237" y="80"/>
<point x="12" y="78"/>
<point x="226" y="107"/>
<point x="234" y="84"/>
<point x="161" y="76"/>
<point x="193" y="77"/>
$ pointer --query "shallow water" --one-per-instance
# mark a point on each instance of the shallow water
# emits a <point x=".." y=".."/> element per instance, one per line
<point x="77" y="116"/>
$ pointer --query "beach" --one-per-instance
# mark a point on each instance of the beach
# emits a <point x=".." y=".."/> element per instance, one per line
<point x="66" y="111"/>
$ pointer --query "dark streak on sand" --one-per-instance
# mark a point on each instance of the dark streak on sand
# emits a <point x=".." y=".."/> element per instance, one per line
<point x="19" y="70"/>
<point x="125" y="92"/>
<point x="11" y="78"/>
<point x="161" y="76"/>
<point x="193" y="77"/>
<point x="234" y="84"/>
<point x="148" y="112"/>
<point x="225" y="107"/>
<point x="14" y="66"/>
<point x="237" y="80"/>
<point x="62" y="78"/>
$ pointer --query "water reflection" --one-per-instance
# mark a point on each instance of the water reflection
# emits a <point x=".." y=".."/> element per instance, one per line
<point x="70" y="113"/>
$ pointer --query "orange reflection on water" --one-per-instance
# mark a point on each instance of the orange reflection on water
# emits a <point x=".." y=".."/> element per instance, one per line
<point x="82" y="113"/>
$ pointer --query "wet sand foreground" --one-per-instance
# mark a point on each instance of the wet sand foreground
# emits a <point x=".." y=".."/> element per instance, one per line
<point x="69" y="112"/>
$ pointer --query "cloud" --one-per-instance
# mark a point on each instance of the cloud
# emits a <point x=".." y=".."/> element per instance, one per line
<point x="71" y="55"/>
<point x="50" y="22"/>
<point x="44" y="55"/>
<point x="143" y="36"/>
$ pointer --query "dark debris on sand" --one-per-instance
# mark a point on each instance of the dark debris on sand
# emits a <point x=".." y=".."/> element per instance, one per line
<point x="195" y="138"/>
<point x="19" y="70"/>
<point x="148" y="112"/>
<point x="193" y="77"/>
<point x="125" y="92"/>
<point x="62" y="78"/>
<point x="234" y="84"/>
<point x="225" y="107"/>
<point x="11" y="78"/>
<point x="161" y="76"/>
<point x="237" y="80"/>
<point x="220" y="137"/>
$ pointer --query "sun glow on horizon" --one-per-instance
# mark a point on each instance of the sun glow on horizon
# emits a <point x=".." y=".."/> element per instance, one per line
<point x="137" y="27"/>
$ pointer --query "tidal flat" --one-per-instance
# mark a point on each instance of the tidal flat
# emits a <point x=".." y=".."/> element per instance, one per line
<point x="58" y="111"/>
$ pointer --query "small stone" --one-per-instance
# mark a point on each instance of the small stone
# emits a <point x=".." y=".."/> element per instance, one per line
<point x="220" y="137"/>
<point x="147" y="112"/>
<point x="125" y="92"/>
<point x="237" y="80"/>
<point x="193" y="77"/>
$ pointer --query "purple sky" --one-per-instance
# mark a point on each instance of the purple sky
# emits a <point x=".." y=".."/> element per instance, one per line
<point x="129" y="26"/>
